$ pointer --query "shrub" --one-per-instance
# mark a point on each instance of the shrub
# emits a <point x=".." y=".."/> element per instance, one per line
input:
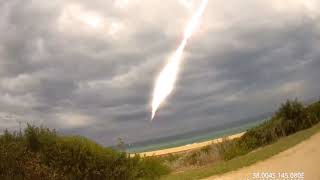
<point x="208" y="154"/>
<point x="314" y="112"/>
<point x="39" y="153"/>
<point x="291" y="117"/>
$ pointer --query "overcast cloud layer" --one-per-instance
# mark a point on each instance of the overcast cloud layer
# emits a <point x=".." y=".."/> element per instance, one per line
<point x="88" y="67"/>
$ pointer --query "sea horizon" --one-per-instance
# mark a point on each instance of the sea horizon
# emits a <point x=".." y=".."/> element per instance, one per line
<point x="197" y="136"/>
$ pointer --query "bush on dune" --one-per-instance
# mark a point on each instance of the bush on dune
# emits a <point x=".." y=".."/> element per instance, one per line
<point x="40" y="153"/>
<point x="191" y="159"/>
<point x="314" y="112"/>
<point x="291" y="117"/>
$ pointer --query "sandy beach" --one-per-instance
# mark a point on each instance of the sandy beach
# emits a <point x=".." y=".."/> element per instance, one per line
<point x="188" y="147"/>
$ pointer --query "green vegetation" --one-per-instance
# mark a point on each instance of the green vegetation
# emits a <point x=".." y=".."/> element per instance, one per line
<point x="193" y="159"/>
<point x="291" y="117"/>
<point x="246" y="160"/>
<point x="40" y="153"/>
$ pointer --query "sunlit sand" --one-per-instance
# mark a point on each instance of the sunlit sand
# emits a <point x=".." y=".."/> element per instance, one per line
<point x="188" y="147"/>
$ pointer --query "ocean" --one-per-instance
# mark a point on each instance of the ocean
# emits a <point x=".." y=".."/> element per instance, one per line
<point x="196" y="136"/>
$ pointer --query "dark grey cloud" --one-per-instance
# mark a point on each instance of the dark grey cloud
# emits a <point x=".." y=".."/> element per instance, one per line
<point x="88" y="68"/>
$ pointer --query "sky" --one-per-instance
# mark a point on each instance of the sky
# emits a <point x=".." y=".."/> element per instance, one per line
<point x="88" y="67"/>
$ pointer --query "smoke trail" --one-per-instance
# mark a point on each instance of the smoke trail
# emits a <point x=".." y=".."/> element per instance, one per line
<point x="168" y="76"/>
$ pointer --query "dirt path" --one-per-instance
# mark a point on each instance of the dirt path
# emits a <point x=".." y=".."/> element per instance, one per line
<point x="304" y="157"/>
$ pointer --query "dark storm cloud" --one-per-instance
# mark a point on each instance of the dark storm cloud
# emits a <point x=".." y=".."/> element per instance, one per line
<point x="61" y="68"/>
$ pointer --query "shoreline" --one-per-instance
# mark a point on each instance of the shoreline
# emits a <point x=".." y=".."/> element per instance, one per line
<point x="191" y="137"/>
<point x="187" y="147"/>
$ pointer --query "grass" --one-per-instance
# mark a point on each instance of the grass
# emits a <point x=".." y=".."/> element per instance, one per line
<point x="248" y="159"/>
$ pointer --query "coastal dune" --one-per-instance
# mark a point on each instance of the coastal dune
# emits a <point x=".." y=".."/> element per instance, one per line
<point x="188" y="147"/>
<point x="302" y="158"/>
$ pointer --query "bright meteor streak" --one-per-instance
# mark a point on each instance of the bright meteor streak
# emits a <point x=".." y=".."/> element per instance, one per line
<point x="168" y="76"/>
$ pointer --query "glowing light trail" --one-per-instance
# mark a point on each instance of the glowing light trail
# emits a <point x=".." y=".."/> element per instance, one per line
<point x="168" y="76"/>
